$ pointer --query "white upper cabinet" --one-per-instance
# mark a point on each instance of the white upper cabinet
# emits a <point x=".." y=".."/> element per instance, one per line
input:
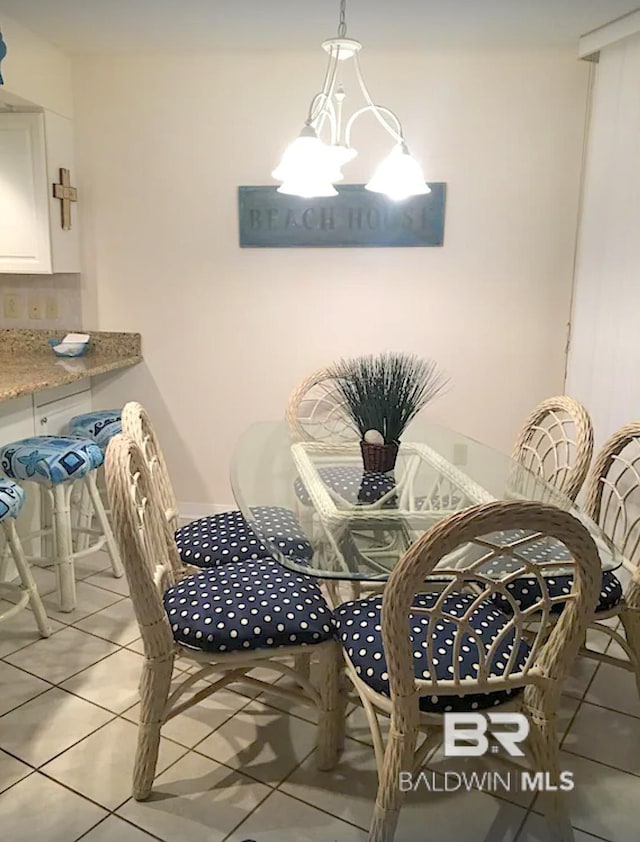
<point x="33" y="149"/>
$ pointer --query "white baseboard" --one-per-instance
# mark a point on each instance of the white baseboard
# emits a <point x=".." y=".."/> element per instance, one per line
<point x="193" y="511"/>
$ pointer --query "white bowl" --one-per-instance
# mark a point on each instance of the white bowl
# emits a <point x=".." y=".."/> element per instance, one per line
<point x="70" y="349"/>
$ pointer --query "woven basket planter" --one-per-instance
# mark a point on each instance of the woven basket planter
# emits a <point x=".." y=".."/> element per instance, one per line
<point x="379" y="457"/>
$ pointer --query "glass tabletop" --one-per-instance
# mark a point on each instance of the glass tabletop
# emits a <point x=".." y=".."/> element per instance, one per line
<point x="318" y="511"/>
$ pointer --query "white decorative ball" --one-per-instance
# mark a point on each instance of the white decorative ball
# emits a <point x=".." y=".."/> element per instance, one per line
<point x="373" y="437"/>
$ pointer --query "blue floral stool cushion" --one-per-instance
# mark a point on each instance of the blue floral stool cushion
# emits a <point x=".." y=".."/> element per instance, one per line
<point x="360" y="632"/>
<point x="217" y="539"/>
<point x="12" y="498"/>
<point x="250" y="605"/>
<point x="351" y="483"/>
<point x="50" y="459"/>
<point x="98" y="426"/>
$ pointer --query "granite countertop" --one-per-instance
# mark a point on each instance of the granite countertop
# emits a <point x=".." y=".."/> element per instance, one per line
<point x="28" y="365"/>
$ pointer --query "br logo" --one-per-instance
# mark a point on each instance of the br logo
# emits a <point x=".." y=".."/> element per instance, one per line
<point x="465" y="734"/>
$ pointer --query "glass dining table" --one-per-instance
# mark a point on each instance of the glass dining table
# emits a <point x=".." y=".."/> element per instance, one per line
<point x="317" y="511"/>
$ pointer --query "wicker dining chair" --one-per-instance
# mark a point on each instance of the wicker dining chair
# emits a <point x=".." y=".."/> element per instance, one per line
<point x="556" y="443"/>
<point x="219" y="538"/>
<point x="414" y="656"/>
<point x="613" y="501"/>
<point x="226" y="620"/>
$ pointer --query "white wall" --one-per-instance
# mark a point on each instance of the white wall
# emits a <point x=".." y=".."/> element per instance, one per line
<point x="163" y="144"/>
<point x="604" y="357"/>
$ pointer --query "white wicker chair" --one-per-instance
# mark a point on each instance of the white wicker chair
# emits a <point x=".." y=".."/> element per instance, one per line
<point x="160" y="605"/>
<point x="613" y="501"/>
<point x="315" y="411"/>
<point x="556" y="443"/>
<point x="415" y="639"/>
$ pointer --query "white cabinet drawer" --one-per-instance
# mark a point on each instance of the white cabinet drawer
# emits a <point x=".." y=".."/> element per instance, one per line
<point x="52" y="418"/>
<point x="59" y="392"/>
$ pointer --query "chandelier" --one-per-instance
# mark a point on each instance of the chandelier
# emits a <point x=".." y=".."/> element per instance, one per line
<point x="310" y="167"/>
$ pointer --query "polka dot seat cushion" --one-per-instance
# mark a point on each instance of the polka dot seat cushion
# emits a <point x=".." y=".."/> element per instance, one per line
<point x="50" y="459"/>
<point x="98" y="426"/>
<point x="11" y="498"/>
<point x="526" y="591"/>
<point x="225" y="537"/>
<point x="360" y="632"/>
<point x="351" y="483"/>
<point x="249" y="605"/>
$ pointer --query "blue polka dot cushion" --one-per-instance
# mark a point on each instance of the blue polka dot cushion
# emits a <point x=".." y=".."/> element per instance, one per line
<point x="98" y="426"/>
<point x="526" y="591"/>
<point x="351" y="483"/>
<point x="249" y="605"/>
<point x="360" y="632"/>
<point x="50" y="459"/>
<point x="11" y="498"/>
<point x="225" y="537"/>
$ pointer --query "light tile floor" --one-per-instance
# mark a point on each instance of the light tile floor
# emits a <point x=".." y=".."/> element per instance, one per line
<point x="239" y="768"/>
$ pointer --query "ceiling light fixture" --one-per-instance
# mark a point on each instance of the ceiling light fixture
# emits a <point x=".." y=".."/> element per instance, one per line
<point x="310" y="167"/>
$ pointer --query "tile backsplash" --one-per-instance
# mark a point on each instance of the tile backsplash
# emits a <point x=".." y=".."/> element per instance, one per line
<point x="41" y="301"/>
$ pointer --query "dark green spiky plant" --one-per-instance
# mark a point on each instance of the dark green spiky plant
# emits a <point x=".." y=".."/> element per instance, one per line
<point x="386" y="391"/>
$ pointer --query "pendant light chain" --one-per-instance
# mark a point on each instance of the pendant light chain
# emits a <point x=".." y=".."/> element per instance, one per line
<point x="342" y="28"/>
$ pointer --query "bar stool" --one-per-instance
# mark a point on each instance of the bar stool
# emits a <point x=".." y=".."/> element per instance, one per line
<point x="56" y="463"/>
<point x="12" y="498"/>
<point x="99" y="426"/>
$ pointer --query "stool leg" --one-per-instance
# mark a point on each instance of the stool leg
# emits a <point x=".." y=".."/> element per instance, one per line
<point x="63" y="546"/>
<point x="85" y="516"/>
<point x="98" y="508"/>
<point x="26" y="577"/>
<point x="46" y="522"/>
<point x="4" y="561"/>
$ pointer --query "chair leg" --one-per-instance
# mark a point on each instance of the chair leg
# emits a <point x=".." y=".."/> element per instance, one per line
<point x="398" y="757"/>
<point x="544" y="744"/>
<point x="26" y="577"/>
<point x="331" y="723"/>
<point x="155" y="684"/>
<point x="63" y="549"/>
<point x="105" y="526"/>
<point x="631" y="623"/>
<point x="302" y="665"/>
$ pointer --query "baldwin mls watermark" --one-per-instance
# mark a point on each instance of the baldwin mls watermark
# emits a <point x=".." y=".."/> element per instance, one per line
<point x="474" y="735"/>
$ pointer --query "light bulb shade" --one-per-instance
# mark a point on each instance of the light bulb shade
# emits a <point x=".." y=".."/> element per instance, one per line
<point x="398" y="176"/>
<point x="308" y="188"/>
<point x="307" y="158"/>
<point x="340" y="154"/>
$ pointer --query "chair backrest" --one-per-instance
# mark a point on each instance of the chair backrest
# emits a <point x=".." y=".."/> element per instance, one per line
<point x="541" y="667"/>
<point x="613" y="491"/>
<point x="315" y="411"/>
<point x="144" y="539"/>
<point x="137" y="425"/>
<point x="556" y="442"/>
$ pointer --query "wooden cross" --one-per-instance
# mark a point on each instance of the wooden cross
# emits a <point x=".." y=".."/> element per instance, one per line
<point x="67" y="194"/>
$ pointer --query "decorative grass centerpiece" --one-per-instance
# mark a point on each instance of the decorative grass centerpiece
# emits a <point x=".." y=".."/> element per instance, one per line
<point x="382" y="394"/>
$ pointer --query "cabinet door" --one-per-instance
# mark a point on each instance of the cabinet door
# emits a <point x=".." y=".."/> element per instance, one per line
<point x="52" y="418"/>
<point x="24" y="202"/>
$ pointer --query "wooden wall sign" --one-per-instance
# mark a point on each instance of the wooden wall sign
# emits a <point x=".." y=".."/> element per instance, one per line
<point x="355" y="217"/>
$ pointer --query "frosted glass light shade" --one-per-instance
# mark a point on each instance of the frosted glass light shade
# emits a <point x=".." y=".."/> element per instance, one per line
<point x="307" y="158"/>
<point x="398" y="176"/>
<point x="307" y="188"/>
<point x="341" y="155"/>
